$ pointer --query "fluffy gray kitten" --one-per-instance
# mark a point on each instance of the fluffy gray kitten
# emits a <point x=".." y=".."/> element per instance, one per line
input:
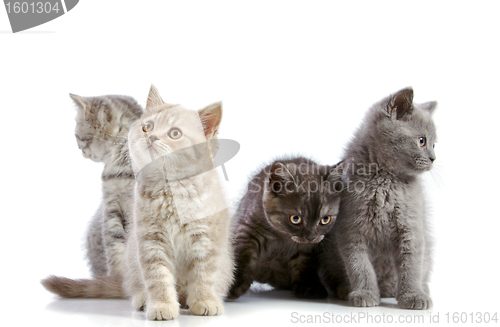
<point x="381" y="232"/>
<point x="102" y="125"/>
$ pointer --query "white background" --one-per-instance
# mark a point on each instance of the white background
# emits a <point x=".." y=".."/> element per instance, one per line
<point x="294" y="77"/>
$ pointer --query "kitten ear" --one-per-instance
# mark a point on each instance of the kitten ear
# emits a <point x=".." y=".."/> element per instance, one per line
<point x="154" y="98"/>
<point x="211" y="117"/>
<point x="280" y="178"/>
<point x="82" y="103"/>
<point x="429" y="106"/>
<point x="401" y="103"/>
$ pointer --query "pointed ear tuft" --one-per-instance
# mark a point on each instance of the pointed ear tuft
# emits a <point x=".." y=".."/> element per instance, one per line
<point x="280" y="178"/>
<point x="211" y="117"/>
<point x="401" y="103"/>
<point x="82" y="103"/>
<point x="429" y="106"/>
<point x="154" y="98"/>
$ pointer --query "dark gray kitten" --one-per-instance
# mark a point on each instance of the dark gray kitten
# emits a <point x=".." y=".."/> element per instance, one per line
<point x="289" y="207"/>
<point x="381" y="231"/>
<point x="102" y="125"/>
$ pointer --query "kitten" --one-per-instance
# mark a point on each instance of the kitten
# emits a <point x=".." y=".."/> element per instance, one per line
<point x="102" y="125"/>
<point x="289" y="206"/>
<point x="381" y="232"/>
<point x="179" y="247"/>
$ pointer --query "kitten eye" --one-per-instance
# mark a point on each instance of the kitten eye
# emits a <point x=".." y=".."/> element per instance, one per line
<point x="295" y="219"/>
<point x="175" y="133"/>
<point x="325" y="220"/>
<point x="433" y="146"/>
<point x="422" y="141"/>
<point x="148" y="127"/>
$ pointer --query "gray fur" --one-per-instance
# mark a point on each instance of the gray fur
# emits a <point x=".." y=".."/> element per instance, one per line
<point x="102" y="125"/>
<point x="269" y="248"/>
<point x="381" y="231"/>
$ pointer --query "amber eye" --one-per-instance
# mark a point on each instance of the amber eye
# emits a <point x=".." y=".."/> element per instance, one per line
<point x="295" y="219"/>
<point x="175" y="133"/>
<point x="148" y="127"/>
<point x="422" y="141"/>
<point x="325" y="220"/>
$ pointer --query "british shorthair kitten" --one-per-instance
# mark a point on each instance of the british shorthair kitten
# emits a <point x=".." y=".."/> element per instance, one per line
<point x="179" y="246"/>
<point x="102" y="125"/>
<point x="281" y="221"/>
<point x="384" y="247"/>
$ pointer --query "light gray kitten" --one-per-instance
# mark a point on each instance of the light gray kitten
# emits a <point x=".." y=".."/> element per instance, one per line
<point x="381" y="230"/>
<point x="102" y="125"/>
<point x="179" y="246"/>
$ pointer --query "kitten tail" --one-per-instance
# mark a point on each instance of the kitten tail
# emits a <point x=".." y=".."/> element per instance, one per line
<point x="100" y="287"/>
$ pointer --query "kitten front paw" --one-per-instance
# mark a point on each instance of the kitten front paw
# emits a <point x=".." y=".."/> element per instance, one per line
<point x="139" y="301"/>
<point x="210" y="307"/>
<point x="363" y="298"/>
<point x="309" y="291"/>
<point x="342" y="291"/>
<point x="415" y="301"/>
<point x="182" y="298"/>
<point x="387" y="292"/>
<point x="238" y="291"/>
<point x="162" y="311"/>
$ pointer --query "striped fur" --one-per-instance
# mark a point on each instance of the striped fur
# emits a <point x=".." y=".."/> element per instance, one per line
<point x="99" y="287"/>
<point x="102" y="125"/>
<point x="179" y="247"/>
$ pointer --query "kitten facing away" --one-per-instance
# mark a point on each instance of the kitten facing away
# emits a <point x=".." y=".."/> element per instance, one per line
<point x="289" y="206"/>
<point x="102" y="125"/>
<point x="380" y="245"/>
<point x="178" y="247"/>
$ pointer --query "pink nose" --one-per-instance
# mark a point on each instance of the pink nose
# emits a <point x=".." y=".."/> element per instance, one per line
<point x="153" y="138"/>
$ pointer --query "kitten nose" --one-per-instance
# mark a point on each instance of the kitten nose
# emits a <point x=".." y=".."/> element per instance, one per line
<point x="310" y="239"/>
<point x="432" y="159"/>
<point x="153" y="138"/>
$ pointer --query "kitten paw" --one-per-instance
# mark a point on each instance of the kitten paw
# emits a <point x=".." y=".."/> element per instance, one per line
<point x="342" y="291"/>
<point x="387" y="293"/>
<point x="162" y="311"/>
<point x="208" y="307"/>
<point x="236" y="292"/>
<point x="139" y="301"/>
<point x="183" y="300"/>
<point x="415" y="301"/>
<point x="309" y="291"/>
<point x="363" y="298"/>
